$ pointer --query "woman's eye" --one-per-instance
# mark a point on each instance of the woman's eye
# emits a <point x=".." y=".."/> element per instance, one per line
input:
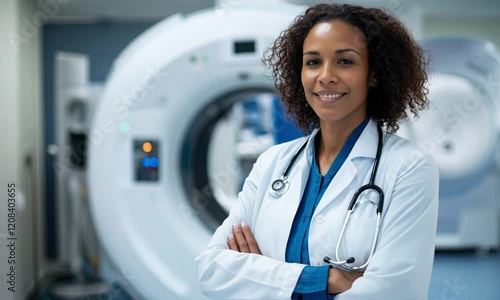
<point x="345" y="61"/>
<point x="312" y="62"/>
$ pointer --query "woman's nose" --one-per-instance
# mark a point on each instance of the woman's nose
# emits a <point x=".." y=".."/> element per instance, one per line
<point x="327" y="75"/>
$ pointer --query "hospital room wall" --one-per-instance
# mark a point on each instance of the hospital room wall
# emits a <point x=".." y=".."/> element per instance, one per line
<point x="21" y="136"/>
<point x="102" y="42"/>
<point x="486" y="28"/>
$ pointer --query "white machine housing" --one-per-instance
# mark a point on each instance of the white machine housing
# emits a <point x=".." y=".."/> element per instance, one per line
<point x="159" y="86"/>
<point x="462" y="131"/>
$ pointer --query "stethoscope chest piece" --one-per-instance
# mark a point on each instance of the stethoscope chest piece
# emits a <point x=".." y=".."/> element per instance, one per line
<point x="279" y="187"/>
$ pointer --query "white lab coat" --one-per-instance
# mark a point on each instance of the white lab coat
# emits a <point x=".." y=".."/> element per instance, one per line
<point x="402" y="263"/>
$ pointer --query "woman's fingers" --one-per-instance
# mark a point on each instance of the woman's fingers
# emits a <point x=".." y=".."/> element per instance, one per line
<point x="231" y="243"/>
<point x="242" y="239"/>
<point x="251" y="242"/>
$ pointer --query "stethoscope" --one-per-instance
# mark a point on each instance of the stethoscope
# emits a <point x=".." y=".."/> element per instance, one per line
<point x="279" y="187"/>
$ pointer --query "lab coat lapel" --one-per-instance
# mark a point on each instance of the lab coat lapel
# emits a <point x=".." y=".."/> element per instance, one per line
<point x="339" y="183"/>
<point x="303" y="167"/>
<point x="366" y="146"/>
<point x="298" y="180"/>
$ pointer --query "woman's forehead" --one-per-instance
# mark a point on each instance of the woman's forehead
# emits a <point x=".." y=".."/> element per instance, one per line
<point x="338" y="33"/>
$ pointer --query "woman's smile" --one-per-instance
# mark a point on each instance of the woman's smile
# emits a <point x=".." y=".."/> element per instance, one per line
<point x="329" y="97"/>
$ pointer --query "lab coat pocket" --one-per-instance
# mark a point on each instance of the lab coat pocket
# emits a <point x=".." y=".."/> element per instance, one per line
<point x="358" y="236"/>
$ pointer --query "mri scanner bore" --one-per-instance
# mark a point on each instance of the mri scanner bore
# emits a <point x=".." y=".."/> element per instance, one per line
<point x="191" y="90"/>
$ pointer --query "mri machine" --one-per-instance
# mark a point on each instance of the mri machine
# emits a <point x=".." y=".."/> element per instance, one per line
<point x="155" y="120"/>
<point x="162" y="168"/>
<point x="462" y="131"/>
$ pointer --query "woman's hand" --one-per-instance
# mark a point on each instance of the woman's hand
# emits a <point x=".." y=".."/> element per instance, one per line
<point x="340" y="281"/>
<point x="242" y="239"/>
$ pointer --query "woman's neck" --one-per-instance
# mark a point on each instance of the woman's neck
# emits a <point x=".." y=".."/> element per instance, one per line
<point x="333" y="138"/>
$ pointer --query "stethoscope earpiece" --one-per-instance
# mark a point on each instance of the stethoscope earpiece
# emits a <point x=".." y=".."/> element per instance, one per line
<point x="328" y="260"/>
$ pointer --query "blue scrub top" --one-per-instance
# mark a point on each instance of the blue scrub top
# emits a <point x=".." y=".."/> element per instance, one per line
<point x="312" y="283"/>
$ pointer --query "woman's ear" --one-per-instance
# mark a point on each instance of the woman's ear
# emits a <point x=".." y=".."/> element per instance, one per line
<point x="372" y="79"/>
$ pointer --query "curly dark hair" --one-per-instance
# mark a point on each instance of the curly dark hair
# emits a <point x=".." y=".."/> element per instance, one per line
<point x="396" y="59"/>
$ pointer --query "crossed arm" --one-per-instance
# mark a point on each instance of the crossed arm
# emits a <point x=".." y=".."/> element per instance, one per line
<point x="243" y="241"/>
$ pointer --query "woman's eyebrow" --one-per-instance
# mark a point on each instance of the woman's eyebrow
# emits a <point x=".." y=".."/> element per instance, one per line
<point x="340" y="51"/>
<point x="311" y="53"/>
<point x="346" y="50"/>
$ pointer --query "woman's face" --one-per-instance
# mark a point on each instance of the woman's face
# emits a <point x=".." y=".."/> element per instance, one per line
<point x="335" y="72"/>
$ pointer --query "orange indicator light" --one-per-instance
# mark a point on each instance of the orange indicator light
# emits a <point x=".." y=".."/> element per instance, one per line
<point x="147" y="147"/>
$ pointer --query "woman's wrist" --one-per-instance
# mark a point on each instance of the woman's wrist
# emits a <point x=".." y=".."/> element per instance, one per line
<point x="333" y="281"/>
<point x="340" y="281"/>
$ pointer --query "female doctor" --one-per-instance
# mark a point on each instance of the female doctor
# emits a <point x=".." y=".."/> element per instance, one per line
<point x="343" y="71"/>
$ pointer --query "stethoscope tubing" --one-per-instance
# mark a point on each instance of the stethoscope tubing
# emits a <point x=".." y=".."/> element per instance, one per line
<point x="354" y="202"/>
<point x="280" y="186"/>
<point x="282" y="182"/>
<point x="344" y="265"/>
<point x="294" y="158"/>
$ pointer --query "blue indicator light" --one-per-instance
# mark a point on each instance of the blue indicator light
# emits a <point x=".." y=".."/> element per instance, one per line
<point x="154" y="162"/>
<point x="146" y="162"/>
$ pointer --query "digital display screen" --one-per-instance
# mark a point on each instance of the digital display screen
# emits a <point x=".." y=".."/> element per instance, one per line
<point x="244" y="47"/>
<point x="146" y="160"/>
